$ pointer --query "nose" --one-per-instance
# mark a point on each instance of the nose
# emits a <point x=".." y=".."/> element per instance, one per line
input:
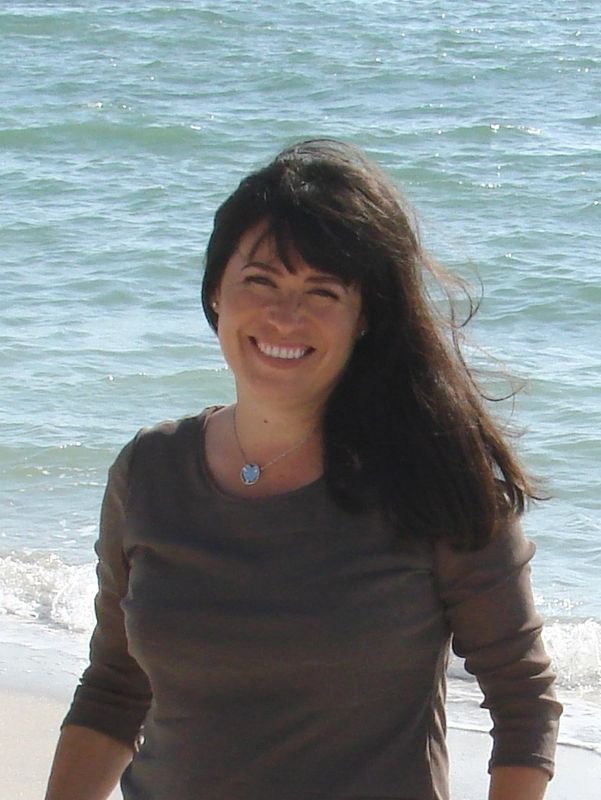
<point x="287" y="311"/>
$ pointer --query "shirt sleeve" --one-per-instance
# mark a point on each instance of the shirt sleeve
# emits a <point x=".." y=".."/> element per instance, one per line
<point x="489" y="606"/>
<point x="114" y="693"/>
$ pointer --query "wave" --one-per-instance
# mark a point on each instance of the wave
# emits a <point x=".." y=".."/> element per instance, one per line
<point x="485" y="131"/>
<point x="44" y="588"/>
<point x="575" y="651"/>
<point x="155" y="137"/>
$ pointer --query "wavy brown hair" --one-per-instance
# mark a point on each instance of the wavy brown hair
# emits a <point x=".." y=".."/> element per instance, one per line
<point x="407" y="428"/>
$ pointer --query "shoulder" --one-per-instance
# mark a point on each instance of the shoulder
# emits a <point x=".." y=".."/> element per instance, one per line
<point x="165" y="441"/>
<point x="506" y="554"/>
<point x="173" y="430"/>
<point x="170" y="428"/>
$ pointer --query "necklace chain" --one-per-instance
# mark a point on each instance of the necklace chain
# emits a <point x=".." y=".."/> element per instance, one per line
<point x="251" y="471"/>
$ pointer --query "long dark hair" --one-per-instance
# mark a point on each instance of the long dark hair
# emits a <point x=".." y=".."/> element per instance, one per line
<point x="407" y="428"/>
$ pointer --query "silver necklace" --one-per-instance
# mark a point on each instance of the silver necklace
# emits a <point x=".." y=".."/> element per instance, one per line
<point x="251" y="471"/>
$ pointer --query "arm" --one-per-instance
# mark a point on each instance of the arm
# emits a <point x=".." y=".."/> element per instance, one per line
<point x="99" y="732"/>
<point x="517" y="783"/>
<point x="87" y="765"/>
<point x="490" y="610"/>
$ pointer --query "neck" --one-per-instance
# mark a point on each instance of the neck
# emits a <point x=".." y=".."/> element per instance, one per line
<point x="268" y="424"/>
<point x="268" y="428"/>
<point x="263" y="428"/>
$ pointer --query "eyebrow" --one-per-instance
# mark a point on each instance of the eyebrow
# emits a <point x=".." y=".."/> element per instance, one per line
<point x="319" y="277"/>
<point x="261" y="265"/>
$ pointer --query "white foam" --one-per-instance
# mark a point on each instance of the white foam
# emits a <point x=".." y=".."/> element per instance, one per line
<point x="575" y="649"/>
<point x="42" y="587"/>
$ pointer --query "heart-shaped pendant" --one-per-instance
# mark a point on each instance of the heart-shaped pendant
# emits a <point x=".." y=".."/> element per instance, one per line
<point x="250" y="474"/>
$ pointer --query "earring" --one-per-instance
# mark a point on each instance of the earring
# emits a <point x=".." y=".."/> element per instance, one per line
<point x="214" y="306"/>
<point x="361" y="334"/>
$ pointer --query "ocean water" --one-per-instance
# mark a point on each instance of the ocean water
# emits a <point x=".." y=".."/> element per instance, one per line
<point x="122" y="126"/>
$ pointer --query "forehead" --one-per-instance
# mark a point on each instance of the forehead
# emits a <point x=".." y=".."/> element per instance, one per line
<point x="275" y="247"/>
<point x="260" y="243"/>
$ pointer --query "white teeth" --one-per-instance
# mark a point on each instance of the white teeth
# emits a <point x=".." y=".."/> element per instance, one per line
<point x="281" y="352"/>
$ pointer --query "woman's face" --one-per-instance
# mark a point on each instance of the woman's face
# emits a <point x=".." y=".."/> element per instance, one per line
<point x="287" y="337"/>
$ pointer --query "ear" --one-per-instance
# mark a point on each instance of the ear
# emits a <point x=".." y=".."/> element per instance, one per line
<point x="215" y="301"/>
<point x="362" y="326"/>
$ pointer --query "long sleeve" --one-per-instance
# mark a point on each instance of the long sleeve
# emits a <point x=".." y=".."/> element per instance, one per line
<point x="114" y="693"/>
<point x="490" y="609"/>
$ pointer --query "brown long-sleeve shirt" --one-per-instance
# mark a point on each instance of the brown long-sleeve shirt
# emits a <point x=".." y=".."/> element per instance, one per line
<point x="284" y="649"/>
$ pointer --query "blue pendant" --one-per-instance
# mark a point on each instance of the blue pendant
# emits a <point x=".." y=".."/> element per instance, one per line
<point x="250" y="474"/>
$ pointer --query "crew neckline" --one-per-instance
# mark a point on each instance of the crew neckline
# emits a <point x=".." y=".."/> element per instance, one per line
<point x="210" y="481"/>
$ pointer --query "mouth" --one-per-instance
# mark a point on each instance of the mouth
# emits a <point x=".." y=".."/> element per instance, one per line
<point x="285" y="352"/>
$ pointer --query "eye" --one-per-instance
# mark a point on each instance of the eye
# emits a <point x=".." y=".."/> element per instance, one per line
<point x="261" y="280"/>
<point x="327" y="293"/>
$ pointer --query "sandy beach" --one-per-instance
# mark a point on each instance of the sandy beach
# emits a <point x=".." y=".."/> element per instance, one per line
<point x="31" y="723"/>
<point x="30" y="730"/>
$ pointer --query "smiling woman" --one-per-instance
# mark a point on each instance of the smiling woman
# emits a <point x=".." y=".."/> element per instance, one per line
<point x="287" y="333"/>
<point x="280" y="580"/>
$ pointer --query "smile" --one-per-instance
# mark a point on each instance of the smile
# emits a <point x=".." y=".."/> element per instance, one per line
<point x="276" y="351"/>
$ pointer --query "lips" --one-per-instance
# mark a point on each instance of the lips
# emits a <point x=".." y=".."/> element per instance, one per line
<point x="286" y="352"/>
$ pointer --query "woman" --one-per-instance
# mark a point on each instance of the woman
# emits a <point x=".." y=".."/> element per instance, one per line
<point x="280" y="579"/>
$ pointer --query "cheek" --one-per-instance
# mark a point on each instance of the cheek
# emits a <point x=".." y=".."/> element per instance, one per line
<point x="352" y="324"/>
<point x="343" y="337"/>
